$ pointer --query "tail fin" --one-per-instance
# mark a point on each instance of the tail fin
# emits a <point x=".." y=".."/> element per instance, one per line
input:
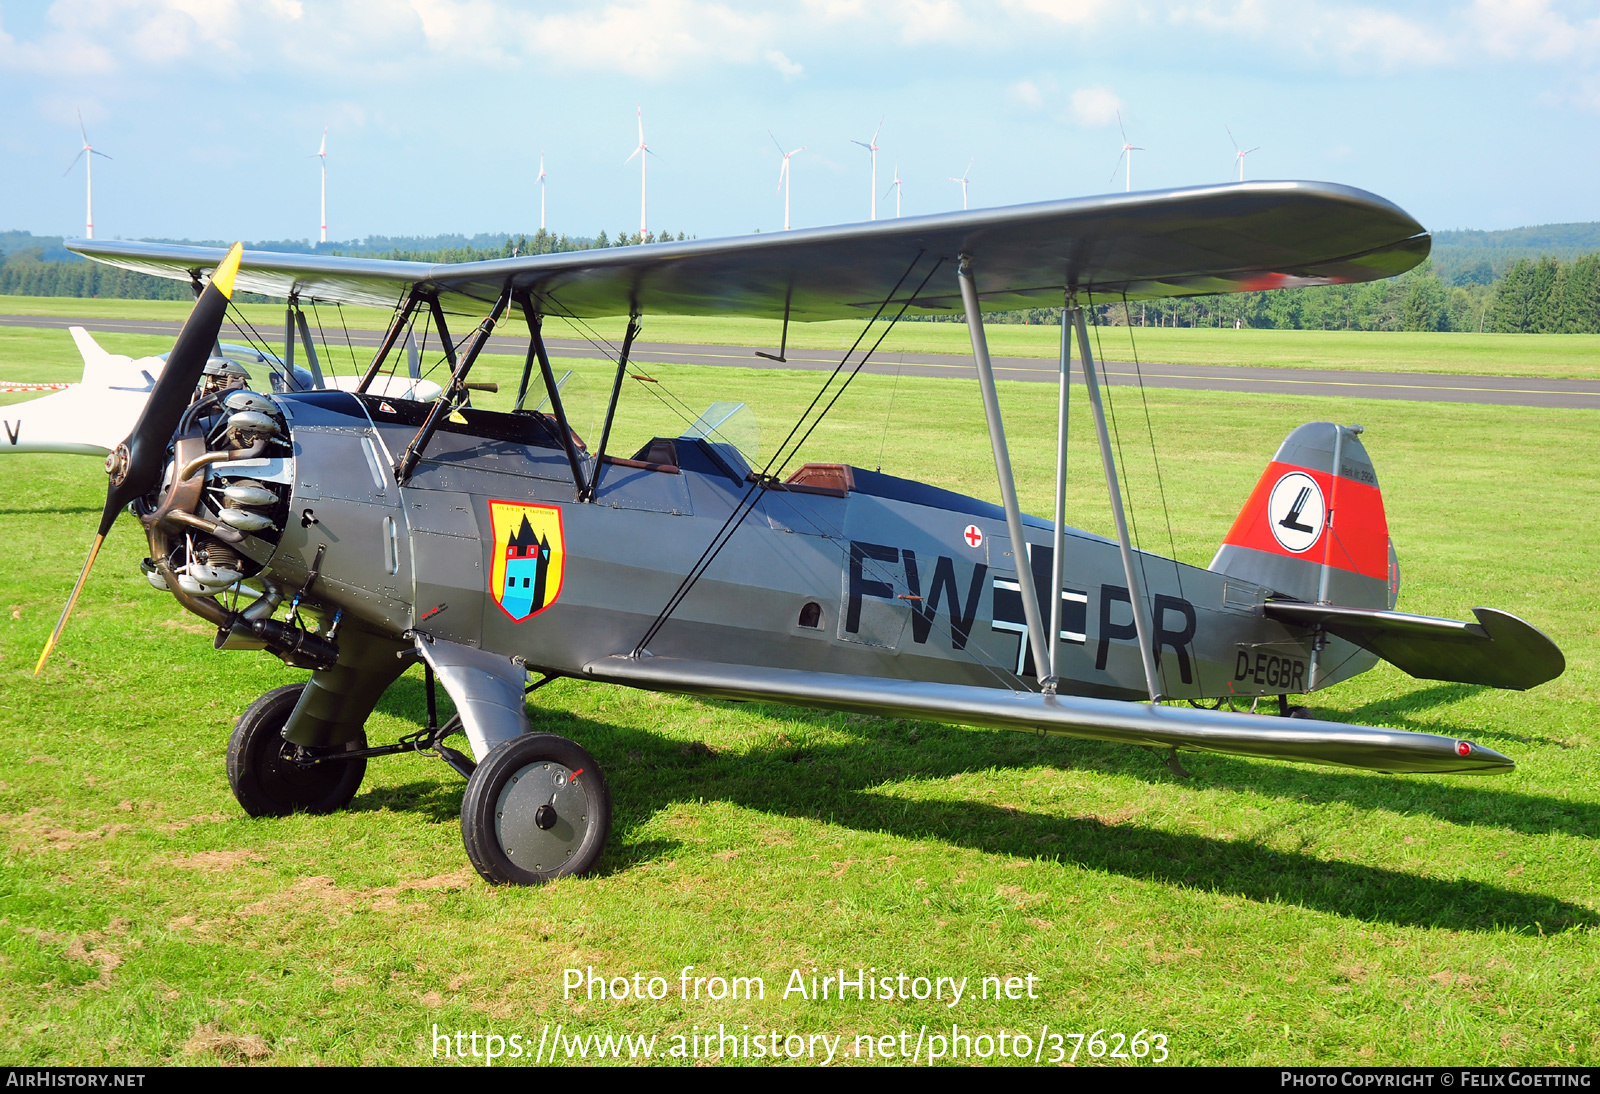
<point x="1312" y="534"/>
<point x="100" y="368"/>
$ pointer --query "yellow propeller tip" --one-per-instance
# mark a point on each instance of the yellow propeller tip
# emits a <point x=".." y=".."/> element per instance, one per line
<point x="227" y="270"/>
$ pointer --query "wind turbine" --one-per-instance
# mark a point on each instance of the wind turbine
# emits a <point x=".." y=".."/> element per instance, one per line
<point x="963" y="181"/>
<point x="895" y="186"/>
<point x="322" y="154"/>
<point x="872" y="146"/>
<point x="1241" y="153"/>
<point x="783" y="176"/>
<point x="542" y="177"/>
<point x="87" y="154"/>
<point x="644" y="153"/>
<point x="1127" y="152"/>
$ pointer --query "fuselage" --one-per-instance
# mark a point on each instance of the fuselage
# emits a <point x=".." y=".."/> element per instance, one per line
<point x="857" y="573"/>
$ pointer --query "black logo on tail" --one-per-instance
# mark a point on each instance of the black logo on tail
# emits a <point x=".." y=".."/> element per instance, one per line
<point x="1292" y="519"/>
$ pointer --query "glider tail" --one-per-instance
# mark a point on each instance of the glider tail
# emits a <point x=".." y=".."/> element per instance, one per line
<point x="1314" y="532"/>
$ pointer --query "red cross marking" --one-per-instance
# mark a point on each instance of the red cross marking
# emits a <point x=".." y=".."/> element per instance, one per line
<point x="973" y="536"/>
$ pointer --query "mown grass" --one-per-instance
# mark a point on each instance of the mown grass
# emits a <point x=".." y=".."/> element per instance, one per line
<point x="1258" y="913"/>
<point x="1571" y="356"/>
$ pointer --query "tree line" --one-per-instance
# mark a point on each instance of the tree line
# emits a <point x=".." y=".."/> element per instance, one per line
<point x="1545" y="295"/>
<point x="1534" y="296"/>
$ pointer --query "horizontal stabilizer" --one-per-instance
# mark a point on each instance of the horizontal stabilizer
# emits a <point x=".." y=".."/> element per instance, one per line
<point x="1498" y="651"/>
<point x="1073" y="716"/>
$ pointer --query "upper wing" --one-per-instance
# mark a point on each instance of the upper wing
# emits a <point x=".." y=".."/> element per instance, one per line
<point x="1074" y="716"/>
<point x="1231" y="238"/>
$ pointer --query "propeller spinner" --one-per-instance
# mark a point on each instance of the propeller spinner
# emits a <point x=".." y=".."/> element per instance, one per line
<point x="135" y="467"/>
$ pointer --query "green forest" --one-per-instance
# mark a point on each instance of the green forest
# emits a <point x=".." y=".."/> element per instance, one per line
<point x="1468" y="287"/>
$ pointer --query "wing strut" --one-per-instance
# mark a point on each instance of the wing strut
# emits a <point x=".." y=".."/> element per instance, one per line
<point x="536" y="349"/>
<point x="586" y="493"/>
<point x="1141" y="610"/>
<point x="1002" y="466"/>
<point x="1058" y="534"/>
<point x="413" y="298"/>
<point x="446" y="403"/>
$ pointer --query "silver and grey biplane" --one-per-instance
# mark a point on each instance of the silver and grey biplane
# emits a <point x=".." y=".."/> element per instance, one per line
<point x="355" y="534"/>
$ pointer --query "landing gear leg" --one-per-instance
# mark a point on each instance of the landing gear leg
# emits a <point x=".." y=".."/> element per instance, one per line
<point x="1289" y="710"/>
<point x="273" y="778"/>
<point x="536" y="808"/>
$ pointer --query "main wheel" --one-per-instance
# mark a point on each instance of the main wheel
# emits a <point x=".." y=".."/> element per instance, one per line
<point x="537" y="808"/>
<point x="263" y="772"/>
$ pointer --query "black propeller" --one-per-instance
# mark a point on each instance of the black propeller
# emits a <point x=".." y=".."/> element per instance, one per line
<point x="135" y="467"/>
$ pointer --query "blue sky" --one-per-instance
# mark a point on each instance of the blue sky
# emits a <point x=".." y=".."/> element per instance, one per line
<point x="1482" y="114"/>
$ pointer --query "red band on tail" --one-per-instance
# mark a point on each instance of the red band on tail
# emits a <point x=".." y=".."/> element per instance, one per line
<point x="1292" y="508"/>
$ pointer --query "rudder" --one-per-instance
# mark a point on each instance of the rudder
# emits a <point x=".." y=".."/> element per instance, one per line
<point x="1304" y="525"/>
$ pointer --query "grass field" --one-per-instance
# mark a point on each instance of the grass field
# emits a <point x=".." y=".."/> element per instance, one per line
<point x="1259" y="913"/>
<point x="1573" y="356"/>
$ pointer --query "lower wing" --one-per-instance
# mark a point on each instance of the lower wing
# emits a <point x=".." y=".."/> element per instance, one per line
<point x="1098" y="719"/>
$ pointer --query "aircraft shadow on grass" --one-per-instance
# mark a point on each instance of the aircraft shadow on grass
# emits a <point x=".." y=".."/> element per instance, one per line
<point x="837" y="783"/>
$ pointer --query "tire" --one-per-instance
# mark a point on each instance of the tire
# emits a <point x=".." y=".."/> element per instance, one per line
<point x="266" y="782"/>
<point x="505" y="834"/>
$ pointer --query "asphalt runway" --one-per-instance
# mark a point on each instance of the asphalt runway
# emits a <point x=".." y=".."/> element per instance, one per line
<point x="1414" y="386"/>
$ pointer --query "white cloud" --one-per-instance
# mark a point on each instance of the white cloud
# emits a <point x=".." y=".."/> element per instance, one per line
<point x="1095" y="106"/>
<point x="1531" y="29"/>
<point x="659" y="39"/>
<point x="791" y="70"/>
<point x="1070" y="12"/>
<point x="1028" y="94"/>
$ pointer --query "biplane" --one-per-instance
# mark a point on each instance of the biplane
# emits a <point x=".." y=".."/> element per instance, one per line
<point x="355" y="534"/>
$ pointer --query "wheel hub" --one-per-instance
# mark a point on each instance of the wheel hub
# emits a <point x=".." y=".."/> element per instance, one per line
<point x="542" y="816"/>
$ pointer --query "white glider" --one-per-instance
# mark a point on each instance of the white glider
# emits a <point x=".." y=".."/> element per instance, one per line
<point x="92" y="417"/>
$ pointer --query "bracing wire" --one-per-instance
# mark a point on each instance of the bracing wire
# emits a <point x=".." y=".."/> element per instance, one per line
<point x="354" y="364"/>
<point x="757" y="489"/>
<point x="327" y="354"/>
<point x="258" y="342"/>
<point x="798" y="505"/>
<point x="888" y="414"/>
<point x="1155" y="458"/>
<point x="1116" y="433"/>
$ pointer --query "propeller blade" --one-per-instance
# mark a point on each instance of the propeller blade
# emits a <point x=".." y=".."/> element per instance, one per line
<point x="136" y="464"/>
<point x="1231" y="138"/>
<point x="61" y="624"/>
<point x="74" y="162"/>
<point x="774" y="137"/>
<point x="135" y="467"/>
<point x="1118" y="167"/>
